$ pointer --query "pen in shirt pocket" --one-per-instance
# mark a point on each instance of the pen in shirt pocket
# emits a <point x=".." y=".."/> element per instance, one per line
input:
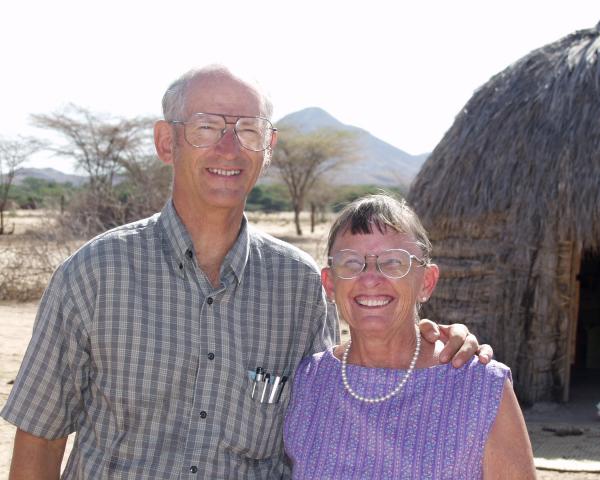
<point x="266" y="387"/>
<point x="266" y="380"/>
<point x="282" y="383"/>
<point x="258" y="377"/>
<point x="274" y="387"/>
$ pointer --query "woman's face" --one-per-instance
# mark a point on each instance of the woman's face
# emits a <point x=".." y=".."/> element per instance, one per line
<point x="373" y="303"/>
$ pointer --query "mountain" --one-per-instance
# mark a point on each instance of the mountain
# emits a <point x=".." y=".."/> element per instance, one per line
<point x="379" y="162"/>
<point x="50" y="175"/>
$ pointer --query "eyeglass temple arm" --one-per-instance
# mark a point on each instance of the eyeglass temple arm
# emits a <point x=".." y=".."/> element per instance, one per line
<point x="421" y="261"/>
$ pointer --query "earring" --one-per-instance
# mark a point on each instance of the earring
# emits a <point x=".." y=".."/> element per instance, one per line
<point x="424" y="299"/>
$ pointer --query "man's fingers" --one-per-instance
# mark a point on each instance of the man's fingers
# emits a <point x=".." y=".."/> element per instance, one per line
<point x="429" y="330"/>
<point x="485" y="353"/>
<point x="466" y="352"/>
<point x="459" y="343"/>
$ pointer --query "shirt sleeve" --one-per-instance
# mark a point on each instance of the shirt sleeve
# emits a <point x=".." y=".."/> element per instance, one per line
<point x="46" y="398"/>
<point x="325" y="321"/>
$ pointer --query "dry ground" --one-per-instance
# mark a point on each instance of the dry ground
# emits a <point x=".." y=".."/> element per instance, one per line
<point x="16" y="321"/>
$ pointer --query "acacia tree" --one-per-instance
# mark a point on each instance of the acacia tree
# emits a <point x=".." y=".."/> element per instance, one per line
<point x="117" y="156"/>
<point x="13" y="153"/>
<point x="302" y="158"/>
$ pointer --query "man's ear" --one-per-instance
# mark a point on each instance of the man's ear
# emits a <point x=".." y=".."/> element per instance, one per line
<point x="164" y="141"/>
<point x="327" y="281"/>
<point x="273" y="140"/>
<point x="430" y="279"/>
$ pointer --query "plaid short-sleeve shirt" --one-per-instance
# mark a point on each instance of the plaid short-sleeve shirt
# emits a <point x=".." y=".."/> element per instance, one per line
<point x="135" y="351"/>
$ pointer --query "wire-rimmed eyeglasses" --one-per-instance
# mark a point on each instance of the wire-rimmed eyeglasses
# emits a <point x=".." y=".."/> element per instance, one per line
<point x="393" y="263"/>
<point x="204" y="130"/>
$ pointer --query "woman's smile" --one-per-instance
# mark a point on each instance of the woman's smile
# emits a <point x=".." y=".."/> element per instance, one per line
<point x="371" y="301"/>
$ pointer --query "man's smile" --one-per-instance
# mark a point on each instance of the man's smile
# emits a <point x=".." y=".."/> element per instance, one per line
<point x="223" y="172"/>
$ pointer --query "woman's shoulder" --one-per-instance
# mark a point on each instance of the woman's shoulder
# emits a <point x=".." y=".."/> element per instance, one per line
<point x="314" y="361"/>
<point x="492" y="370"/>
<point x="313" y="367"/>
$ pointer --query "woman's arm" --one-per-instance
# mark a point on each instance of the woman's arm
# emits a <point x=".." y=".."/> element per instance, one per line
<point x="508" y="453"/>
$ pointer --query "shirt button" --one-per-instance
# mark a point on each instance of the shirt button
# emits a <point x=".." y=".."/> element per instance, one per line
<point x="209" y="300"/>
<point x="189" y="253"/>
<point x="211" y="356"/>
<point x="181" y="266"/>
<point x="193" y="469"/>
<point x="202" y="414"/>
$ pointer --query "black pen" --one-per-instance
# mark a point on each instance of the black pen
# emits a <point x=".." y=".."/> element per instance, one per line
<point x="266" y="380"/>
<point x="257" y="378"/>
<point x="283" y="380"/>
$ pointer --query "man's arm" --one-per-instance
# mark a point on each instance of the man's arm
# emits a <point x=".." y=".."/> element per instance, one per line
<point x="508" y="453"/>
<point x="36" y="458"/>
<point x="460" y="344"/>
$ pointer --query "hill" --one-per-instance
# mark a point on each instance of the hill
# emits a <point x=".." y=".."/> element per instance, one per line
<point x="50" y="175"/>
<point x="379" y="162"/>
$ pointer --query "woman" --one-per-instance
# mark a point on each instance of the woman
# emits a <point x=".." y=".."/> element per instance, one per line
<point x="382" y="405"/>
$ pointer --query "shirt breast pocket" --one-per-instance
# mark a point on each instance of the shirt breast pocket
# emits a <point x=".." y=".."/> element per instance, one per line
<point x="255" y="431"/>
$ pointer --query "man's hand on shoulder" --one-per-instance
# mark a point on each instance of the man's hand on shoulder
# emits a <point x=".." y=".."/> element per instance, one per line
<point x="459" y="344"/>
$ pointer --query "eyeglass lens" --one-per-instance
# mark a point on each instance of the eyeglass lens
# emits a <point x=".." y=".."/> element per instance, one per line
<point x="204" y="130"/>
<point x="349" y="264"/>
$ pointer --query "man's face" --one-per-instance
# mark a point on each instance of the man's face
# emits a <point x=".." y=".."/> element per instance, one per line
<point x="222" y="175"/>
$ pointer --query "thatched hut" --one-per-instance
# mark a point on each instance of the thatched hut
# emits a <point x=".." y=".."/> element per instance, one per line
<point x="511" y="198"/>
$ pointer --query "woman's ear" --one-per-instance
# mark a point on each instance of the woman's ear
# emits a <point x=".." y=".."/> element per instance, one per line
<point x="327" y="280"/>
<point x="430" y="279"/>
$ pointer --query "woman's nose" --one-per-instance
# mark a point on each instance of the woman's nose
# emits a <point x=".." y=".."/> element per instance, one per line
<point x="370" y="272"/>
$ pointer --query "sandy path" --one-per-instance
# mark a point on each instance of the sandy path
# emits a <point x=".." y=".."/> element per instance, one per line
<point x="16" y="322"/>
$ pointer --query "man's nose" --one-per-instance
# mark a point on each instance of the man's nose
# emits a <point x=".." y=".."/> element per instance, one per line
<point x="228" y="141"/>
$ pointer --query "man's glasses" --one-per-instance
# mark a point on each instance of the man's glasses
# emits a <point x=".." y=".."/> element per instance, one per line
<point x="393" y="263"/>
<point x="206" y="129"/>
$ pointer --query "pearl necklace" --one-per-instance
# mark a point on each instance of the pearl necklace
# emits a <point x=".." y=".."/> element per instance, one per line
<point x="393" y="392"/>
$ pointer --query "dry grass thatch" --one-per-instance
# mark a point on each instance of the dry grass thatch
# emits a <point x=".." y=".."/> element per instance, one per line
<point x="511" y="197"/>
<point x="527" y="142"/>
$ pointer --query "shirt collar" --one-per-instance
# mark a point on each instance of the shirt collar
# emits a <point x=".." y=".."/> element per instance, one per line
<point x="177" y="236"/>
<point x="237" y="257"/>
<point x="174" y="231"/>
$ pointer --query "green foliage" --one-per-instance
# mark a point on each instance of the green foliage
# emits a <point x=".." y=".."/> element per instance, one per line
<point x="269" y="198"/>
<point x="276" y="198"/>
<point x="38" y="193"/>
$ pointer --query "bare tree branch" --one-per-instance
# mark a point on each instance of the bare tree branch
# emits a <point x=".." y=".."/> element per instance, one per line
<point x="13" y="153"/>
<point x="118" y="156"/>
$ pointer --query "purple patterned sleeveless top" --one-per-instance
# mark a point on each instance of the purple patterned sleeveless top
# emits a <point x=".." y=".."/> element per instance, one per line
<point x="435" y="428"/>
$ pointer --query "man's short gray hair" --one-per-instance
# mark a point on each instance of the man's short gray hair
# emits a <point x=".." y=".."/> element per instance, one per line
<point x="173" y="101"/>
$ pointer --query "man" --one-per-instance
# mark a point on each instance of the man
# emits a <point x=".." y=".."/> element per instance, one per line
<point x="148" y="339"/>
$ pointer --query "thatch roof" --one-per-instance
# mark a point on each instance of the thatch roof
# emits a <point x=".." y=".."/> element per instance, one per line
<point x="526" y="144"/>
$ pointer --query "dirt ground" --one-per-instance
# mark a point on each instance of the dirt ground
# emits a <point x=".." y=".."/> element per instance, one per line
<point x="16" y="321"/>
